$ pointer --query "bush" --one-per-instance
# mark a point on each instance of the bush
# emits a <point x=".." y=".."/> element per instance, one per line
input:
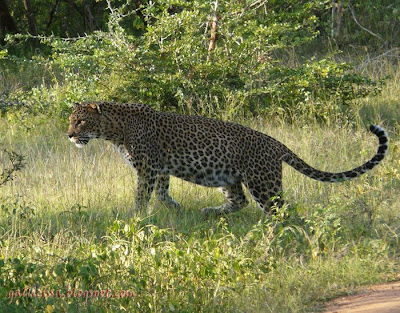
<point x="163" y="268"/>
<point x="171" y="67"/>
<point x="15" y="163"/>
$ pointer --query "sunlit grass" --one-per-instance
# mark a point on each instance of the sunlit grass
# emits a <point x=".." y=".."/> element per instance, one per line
<point x="67" y="219"/>
<point x="67" y="201"/>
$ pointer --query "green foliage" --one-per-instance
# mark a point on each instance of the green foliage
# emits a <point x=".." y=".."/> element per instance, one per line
<point x="320" y="89"/>
<point x="14" y="164"/>
<point x="74" y="18"/>
<point x="169" y="65"/>
<point x="185" y="272"/>
<point x="380" y="22"/>
<point x="3" y="54"/>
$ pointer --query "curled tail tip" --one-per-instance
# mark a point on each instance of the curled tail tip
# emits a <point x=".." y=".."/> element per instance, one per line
<point x="381" y="134"/>
<point x="377" y="130"/>
<point x="383" y="143"/>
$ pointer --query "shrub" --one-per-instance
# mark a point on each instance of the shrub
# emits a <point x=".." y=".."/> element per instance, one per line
<point x="171" y="67"/>
<point x="15" y="163"/>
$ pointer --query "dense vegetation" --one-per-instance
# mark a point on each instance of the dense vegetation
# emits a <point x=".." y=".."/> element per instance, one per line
<point x="222" y="58"/>
<point x="310" y="73"/>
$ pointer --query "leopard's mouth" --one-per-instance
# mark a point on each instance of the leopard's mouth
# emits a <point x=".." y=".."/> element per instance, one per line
<point x="79" y="142"/>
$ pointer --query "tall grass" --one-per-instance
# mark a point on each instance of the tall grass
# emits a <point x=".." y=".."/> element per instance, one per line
<point x="67" y="220"/>
<point x="386" y="107"/>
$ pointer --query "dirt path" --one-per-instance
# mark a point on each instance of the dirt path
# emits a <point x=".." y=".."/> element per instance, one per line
<point x="376" y="299"/>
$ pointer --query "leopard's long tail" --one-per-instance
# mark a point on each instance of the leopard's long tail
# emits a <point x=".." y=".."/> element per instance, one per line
<point x="297" y="163"/>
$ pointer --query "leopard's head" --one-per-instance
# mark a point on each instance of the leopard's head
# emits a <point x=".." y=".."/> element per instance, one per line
<point x="85" y="123"/>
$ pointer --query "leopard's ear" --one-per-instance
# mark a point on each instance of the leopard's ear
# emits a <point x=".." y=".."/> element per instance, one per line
<point x="93" y="107"/>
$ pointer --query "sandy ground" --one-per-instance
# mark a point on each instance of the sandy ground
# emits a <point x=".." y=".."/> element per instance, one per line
<point x="376" y="299"/>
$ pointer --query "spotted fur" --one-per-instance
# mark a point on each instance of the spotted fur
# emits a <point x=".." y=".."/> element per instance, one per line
<point x="201" y="150"/>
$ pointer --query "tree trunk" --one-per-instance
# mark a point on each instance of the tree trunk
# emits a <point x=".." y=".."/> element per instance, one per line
<point x="7" y="24"/>
<point x="339" y="14"/>
<point x="336" y="18"/>
<point x="214" y="26"/>
<point x="52" y="12"/>
<point x="31" y="17"/>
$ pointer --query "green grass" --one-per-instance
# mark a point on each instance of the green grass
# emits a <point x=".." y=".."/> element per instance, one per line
<point x="386" y="107"/>
<point x="66" y="220"/>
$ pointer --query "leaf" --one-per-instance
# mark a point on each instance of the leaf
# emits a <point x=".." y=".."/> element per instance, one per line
<point x="49" y="308"/>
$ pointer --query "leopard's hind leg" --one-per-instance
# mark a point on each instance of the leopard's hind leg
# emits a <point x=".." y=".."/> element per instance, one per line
<point x="236" y="200"/>
<point x="266" y="188"/>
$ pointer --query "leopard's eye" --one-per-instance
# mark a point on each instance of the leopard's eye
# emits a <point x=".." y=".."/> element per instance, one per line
<point x="79" y="122"/>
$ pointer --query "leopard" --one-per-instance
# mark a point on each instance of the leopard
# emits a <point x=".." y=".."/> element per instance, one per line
<point x="200" y="150"/>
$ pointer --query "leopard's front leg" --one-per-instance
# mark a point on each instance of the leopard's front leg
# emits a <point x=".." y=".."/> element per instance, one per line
<point x="162" y="192"/>
<point x="137" y="156"/>
<point x="145" y="186"/>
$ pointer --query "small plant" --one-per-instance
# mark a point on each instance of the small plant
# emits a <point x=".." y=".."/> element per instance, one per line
<point x="16" y="164"/>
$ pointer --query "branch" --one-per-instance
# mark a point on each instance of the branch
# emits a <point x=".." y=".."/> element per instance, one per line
<point x="30" y="17"/>
<point x="214" y="26"/>
<point x="52" y="12"/>
<point x="358" y="23"/>
<point x="392" y="53"/>
<point x="75" y="7"/>
<point x="17" y="163"/>
<point x="253" y="6"/>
